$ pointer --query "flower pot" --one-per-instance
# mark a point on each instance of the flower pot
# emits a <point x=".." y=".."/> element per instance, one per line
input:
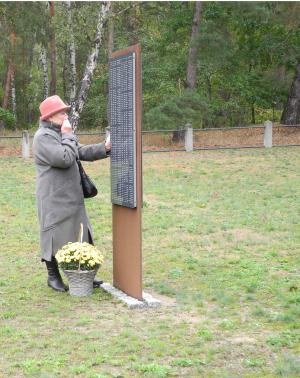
<point x="80" y="282"/>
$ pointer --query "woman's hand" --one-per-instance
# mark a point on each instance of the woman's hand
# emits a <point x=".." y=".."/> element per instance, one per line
<point x="66" y="127"/>
<point x="107" y="145"/>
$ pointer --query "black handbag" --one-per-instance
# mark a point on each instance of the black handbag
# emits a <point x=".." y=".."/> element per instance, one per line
<point x="88" y="187"/>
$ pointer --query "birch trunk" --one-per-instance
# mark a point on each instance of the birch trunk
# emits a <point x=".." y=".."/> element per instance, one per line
<point x="72" y="50"/>
<point x="13" y="98"/>
<point x="44" y="66"/>
<point x="53" y="50"/>
<point x="290" y="114"/>
<point x="89" y="68"/>
<point x="10" y="71"/>
<point x="73" y="71"/>
<point x="193" y="50"/>
<point x="33" y="100"/>
<point x="110" y="44"/>
<point x="65" y="78"/>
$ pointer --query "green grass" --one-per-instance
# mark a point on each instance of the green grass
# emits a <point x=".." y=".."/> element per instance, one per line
<point x="221" y="235"/>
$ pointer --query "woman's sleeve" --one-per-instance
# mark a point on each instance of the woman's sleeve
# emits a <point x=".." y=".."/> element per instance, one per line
<point x="50" y="150"/>
<point x="91" y="152"/>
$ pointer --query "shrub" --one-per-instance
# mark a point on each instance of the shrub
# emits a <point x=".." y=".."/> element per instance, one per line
<point x="7" y="117"/>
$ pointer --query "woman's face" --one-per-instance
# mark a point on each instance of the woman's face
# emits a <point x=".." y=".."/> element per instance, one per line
<point x="59" y="117"/>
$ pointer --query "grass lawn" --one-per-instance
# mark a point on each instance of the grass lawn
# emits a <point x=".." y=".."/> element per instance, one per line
<point x="221" y="235"/>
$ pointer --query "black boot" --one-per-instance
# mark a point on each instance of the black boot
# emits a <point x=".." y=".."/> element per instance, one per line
<point x="54" y="278"/>
<point x="97" y="283"/>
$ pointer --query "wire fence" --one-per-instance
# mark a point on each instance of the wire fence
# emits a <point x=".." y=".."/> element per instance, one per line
<point x="175" y="140"/>
<point x="218" y="138"/>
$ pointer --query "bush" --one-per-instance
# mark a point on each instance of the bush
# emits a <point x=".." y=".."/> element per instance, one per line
<point x="191" y="107"/>
<point x="177" y="111"/>
<point x="7" y="117"/>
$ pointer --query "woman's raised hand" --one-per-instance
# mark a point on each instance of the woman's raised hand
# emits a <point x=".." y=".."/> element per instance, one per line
<point x="107" y="143"/>
<point x="66" y="127"/>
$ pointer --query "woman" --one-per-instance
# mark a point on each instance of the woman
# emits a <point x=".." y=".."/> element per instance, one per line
<point x="59" y="193"/>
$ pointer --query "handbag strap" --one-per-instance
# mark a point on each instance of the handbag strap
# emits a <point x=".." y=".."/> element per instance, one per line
<point x="79" y="163"/>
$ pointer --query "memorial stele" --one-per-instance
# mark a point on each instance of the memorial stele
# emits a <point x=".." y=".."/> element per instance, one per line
<point x="124" y="113"/>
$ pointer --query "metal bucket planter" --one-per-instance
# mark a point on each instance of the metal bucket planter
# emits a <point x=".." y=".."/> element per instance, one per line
<point x="80" y="282"/>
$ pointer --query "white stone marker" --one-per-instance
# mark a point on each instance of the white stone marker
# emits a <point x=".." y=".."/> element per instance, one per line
<point x="188" y="140"/>
<point x="25" y="145"/>
<point x="268" y="134"/>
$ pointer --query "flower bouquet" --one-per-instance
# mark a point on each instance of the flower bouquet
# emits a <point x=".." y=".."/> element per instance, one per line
<point x="80" y="262"/>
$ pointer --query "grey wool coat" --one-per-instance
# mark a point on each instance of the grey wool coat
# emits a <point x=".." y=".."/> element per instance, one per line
<point x="60" y="200"/>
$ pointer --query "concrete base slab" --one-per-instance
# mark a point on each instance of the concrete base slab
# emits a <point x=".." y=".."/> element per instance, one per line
<point x="148" y="300"/>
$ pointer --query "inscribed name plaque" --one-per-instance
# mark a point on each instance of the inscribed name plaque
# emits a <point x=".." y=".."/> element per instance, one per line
<point x="123" y="130"/>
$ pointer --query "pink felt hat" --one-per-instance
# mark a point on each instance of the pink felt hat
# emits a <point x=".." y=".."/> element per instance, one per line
<point x="52" y="105"/>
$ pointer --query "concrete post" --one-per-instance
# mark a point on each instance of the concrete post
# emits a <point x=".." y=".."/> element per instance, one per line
<point x="25" y="145"/>
<point x="268" y="134"/>
<point x="188" y="139"/>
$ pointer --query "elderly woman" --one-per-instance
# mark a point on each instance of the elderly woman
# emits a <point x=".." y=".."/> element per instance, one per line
<point x="59" y="192"/>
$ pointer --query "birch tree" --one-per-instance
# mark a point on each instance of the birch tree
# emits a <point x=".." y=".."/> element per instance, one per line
<point x="44" y="66"/>
<point x="52" y="49"/>
<point x="13" y="97"/>
<point x="72" y="51"/>
<point x="110" y="43"/>
<point x="78" y="105"/>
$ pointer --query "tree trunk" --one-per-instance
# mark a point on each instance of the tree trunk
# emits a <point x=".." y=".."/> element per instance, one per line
<point x="34" y="98"/>
<point x="253" y="114"/>
<point x="9" y="76"/>
<point x="89" y="68"/>
<point x="44" y="66"/>
<point x="194" y="47"/>
<point x="65" y="77"/>
<point x="178" y="136"/>
<point x="110" y="43"/>
<point x="73" y="72"/>
<point x="10" y="71"/>
<point x="291" y="109"/>
<point x="7" y="87"/>
<point x="5" y="99"/>
<point x="53" y="50"/>
<point x="13" y="98"/>
<point x="209" y="89"/>
<point x="72" y="50"/>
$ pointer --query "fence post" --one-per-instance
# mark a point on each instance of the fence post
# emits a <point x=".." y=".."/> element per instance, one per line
<point x="188" y="138"/>
<point x="268" y="134"/>
<point x="25" y="145"/>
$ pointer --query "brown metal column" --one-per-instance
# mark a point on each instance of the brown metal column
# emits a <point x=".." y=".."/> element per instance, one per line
<point x="127" y="222"/>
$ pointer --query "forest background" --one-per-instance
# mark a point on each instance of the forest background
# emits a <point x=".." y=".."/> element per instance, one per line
<point x="210" y="64"/>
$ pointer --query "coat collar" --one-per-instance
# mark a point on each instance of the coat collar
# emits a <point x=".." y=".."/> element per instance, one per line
<point x="50" y="125"/>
